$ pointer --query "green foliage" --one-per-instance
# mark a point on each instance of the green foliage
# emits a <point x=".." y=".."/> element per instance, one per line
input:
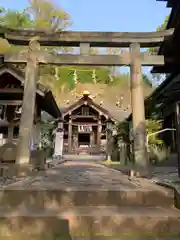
<point x="121" y="142"/>
<point x="158" y="153"/>
<point x="122" y="129"/>
<point x="47" y="135"/>
<point x="147" y="80"/>
<point x="157" y="150"/>
<point x="154" y="51"/>
<point x="153" y="126"/>
<point x="48" y="16"/>
<point x="109" y="162"/>
<point x="15" y="20"/>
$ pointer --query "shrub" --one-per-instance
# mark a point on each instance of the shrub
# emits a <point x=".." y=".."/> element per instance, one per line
<point x="158" y="153"/>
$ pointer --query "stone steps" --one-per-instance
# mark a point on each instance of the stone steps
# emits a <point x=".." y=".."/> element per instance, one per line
<point x="54" y="207"/>
<point x="59" y="198"/>
<point x="91" y="222"/>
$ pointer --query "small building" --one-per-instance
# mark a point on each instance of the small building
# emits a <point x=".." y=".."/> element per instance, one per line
<point x="11" y="96"/>
<point x="85" y="125"/>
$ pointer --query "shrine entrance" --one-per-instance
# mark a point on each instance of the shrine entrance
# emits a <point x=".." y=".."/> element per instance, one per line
<point x="33" y="56"/>
<point x="84" y="126"/>
<point x="84" y="139"/>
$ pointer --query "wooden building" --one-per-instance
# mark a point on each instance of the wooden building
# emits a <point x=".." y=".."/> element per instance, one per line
<point x="11" y="96"/>
<point x="165" y="99"/>
<point x="85" y="125"/>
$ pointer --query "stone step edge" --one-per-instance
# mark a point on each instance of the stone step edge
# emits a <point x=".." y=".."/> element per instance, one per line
<point x="79" y="189"/>
<point x="97" y="211"/>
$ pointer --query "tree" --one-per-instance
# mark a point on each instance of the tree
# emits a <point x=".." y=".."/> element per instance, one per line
<point x="158" y="78"/>
<point x="15" y="20"/>
<point x="47" y="16"/>
<point x="154" y="51"/>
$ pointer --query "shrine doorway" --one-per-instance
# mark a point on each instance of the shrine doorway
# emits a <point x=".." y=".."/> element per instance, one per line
<point x="84" y="139"/>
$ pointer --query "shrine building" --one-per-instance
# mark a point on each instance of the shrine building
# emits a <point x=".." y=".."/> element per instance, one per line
<point x="85" y="125"/>
<point x="11" y="97"/>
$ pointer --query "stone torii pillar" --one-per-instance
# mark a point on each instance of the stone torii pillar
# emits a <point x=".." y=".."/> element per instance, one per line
<point x="138" y="110"/>
<point x="28" y="109"/>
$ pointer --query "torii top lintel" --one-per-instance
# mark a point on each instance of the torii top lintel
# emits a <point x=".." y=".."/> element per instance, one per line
<point x="94" y="39"/>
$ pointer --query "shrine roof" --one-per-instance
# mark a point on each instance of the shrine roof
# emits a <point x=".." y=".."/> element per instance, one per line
<point x="44" y="96"/>
<point x="170" y="48"/>
<point x="117" y="114"/>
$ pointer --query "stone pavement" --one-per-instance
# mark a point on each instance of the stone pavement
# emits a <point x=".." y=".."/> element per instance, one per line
<point x="77" y="174"/>
<point x="165" y="174"/>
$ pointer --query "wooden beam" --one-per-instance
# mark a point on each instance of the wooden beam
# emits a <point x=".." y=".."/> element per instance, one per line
<point x="84" y="48"/>
<point x="123" y="59"/>
<point x="11" y="102"/>
<point x="95" y="39"/>
<point x="11" y="90"/>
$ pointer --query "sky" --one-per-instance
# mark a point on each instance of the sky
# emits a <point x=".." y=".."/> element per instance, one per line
<point x="105" y="15"/>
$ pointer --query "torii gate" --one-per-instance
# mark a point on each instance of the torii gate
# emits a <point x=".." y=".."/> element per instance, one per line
<point x="85" y="40"/>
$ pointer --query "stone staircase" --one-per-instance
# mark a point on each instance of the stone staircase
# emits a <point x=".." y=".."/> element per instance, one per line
<point x="133" y="212"/>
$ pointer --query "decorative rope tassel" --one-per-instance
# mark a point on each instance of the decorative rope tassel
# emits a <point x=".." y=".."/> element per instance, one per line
<point x="111" y="77"/>
<point x="75" y="77"/>
<point x="94" y="76"/>
<point x="56" y="74"/>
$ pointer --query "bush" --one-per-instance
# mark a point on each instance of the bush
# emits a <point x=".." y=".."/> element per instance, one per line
<point x="153" y="126"/>
<point x="158" y="153"/>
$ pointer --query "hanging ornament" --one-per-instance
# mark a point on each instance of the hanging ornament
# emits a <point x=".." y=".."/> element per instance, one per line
<point x="56" y="73"/>
<point x="111" y="79"/>
<point x="75" y="77"/>
<point x="94" y="76"/>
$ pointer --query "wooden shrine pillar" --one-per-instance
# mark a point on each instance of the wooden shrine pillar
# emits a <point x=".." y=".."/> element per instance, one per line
<point x="138" y="109"/>
<point x="70" y="135"/>
<point x="177" y="126"/>
<point x="10" y="114"/>
<point x="28" y="105"/>
<point x="99" y="130"/>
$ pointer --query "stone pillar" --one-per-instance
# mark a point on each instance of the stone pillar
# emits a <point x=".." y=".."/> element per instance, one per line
<point x="28" y="106"/>
<point x="138" y="110"/>
<point x="59" y="142"/>
<point x="36" y="138"/>
<point x="10" y="132"/>
<point x="70" y="135"/>
<point x="108" y="144"/>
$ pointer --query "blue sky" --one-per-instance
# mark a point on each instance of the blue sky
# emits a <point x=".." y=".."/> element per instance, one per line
<point x="105" y="15"/>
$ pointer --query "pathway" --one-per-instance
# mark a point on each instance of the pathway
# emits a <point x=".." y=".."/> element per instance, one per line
<point x="78" y="174"/>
